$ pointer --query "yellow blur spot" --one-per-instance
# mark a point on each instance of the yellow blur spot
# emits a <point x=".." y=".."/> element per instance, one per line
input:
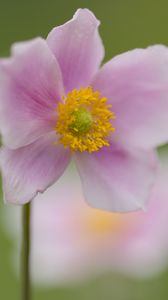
<point x="102" y="223"/>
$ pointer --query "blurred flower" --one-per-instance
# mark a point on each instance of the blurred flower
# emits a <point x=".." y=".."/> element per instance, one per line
<point x="71" y="241"/>
<point x="54" y="102"/>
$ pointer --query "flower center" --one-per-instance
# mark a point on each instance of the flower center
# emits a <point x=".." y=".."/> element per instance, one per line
<point x="84" y="121"/>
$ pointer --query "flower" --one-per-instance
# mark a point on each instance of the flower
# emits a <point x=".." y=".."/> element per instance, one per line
<point x="71" y="241"/>
<point x="55" y="104"/>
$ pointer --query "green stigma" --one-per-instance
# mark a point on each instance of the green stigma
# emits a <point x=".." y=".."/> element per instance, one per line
<point x="82" y="121"/>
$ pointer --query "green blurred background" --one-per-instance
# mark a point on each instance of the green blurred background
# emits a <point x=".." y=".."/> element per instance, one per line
<point x="125" y="24"/>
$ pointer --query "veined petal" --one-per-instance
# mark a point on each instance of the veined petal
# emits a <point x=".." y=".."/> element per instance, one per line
<point x="30" y="88"/>
<point x="78" y="48"/>
<point x="136" y="83"/>
<point x="32" y="169"/>
<point x="116" y="179"/>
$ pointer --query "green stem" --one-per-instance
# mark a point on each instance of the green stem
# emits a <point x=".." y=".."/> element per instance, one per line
<point x="26" y="209"/>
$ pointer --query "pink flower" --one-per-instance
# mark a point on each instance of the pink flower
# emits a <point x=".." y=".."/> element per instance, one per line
<point x="56" y="104"/>
<point x="71" y="241"/>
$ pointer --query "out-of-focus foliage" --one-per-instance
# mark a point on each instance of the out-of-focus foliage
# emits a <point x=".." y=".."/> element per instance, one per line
<point x="126" y="24"/>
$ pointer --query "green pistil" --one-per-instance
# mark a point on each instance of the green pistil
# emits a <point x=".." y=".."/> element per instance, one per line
<point x="82" y="121"/>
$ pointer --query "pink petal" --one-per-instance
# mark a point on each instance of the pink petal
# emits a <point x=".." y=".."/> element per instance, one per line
<point x="136" y="83"/>
<point x="30" y="88"/>
<point x="78" y="48"/>
<point x="32" y="169"/>
<point x="117" y="179"/>
<point x="146" y="244"/>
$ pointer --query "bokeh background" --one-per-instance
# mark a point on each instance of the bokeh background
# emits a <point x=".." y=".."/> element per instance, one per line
<point x="125" y="24"/>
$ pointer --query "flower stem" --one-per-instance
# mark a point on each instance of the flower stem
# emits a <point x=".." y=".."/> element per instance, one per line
<point x="26" y="209"/>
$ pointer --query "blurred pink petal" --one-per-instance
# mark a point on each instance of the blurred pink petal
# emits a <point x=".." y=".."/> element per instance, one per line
<point x="76" y="241"/>
<point x="71" y="241"/>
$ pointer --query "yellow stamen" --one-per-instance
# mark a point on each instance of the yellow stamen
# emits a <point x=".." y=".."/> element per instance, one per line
<point x="83" y="122"/>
